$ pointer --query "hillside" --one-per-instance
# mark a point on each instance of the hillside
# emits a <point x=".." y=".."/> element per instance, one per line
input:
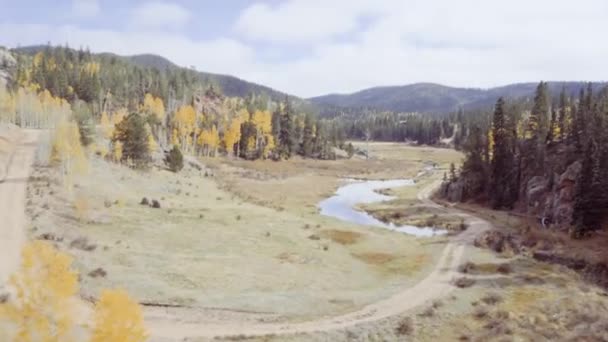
<point x="429" y="97"/>
<point x="230" y="85"/>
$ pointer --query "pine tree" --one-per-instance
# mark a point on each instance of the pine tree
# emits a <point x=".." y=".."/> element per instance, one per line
<point x="585" y="216"/>
<point x="563" y="113"/>
<point x="502" y="160"/>
<point x="132" y="134"/>
<point x="307" y="145"/>
<point x="286" y="132"/>
<point x="174" y="159"/>
<point x="537" y="123"/>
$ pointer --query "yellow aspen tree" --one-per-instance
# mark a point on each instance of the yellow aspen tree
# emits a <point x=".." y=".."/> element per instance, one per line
<point x="214" y="140"/>
<point x="7" y="106"/>
<point x="185" y="122"/>
<point x="152" y="145"/>
<point x="118" y="318"/>
<point x="67" y="151"/>
<point x="232" y="135"/>
<point x="45" y="286"/>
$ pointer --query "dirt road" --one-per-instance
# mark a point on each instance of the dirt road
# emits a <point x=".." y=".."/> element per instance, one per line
<point x="12" y="201"/>
<point x="434" y="286"/>
<point x="179" y="324"/>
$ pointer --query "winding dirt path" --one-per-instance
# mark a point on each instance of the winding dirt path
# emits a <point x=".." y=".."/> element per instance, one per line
<point x="12" y="201"/>
<point x="436" y="285"/>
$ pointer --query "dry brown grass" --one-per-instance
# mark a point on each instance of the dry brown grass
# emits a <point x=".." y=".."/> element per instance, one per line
<point x="375" y="258"/>
<point x="343" y="237"/>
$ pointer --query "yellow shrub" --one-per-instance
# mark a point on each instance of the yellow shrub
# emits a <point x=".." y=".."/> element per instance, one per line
<point x="40" y="310"/>
<point x="118" y="318"/>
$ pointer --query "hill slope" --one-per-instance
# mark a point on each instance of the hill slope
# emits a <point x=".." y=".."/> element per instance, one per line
<point x="429" y="97"/>
<point x="230" y="85"/>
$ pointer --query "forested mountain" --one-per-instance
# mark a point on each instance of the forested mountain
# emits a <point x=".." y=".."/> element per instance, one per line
<point x="150" y="106"/>
<point x="432" y="98"/>
<point x="228" y="85"/>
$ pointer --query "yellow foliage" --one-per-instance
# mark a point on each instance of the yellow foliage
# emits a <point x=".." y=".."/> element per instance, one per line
<point x="29" y="108"/>
<point x="67" y="150"/>
<point x="185" y="123"/>
<point x="44" y="286"/>
<point x="154" y="106"/>
<point x="263" y="121"/>
<point x="209" y="139"/>
<point x="490" y="143"/>
<point x="152" y="145"/>
<point x="243" y="114"/>
<point x="118" y="318"/>
<point x="119" y="115"/>
<point x="232" y="134"/>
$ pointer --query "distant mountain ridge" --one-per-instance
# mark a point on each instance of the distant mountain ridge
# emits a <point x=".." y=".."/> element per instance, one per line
<point x="433" y="98"/>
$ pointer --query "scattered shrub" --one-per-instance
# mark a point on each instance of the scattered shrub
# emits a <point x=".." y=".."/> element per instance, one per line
<point x="405" y="327"/>
<point x="492" y="299"/>
<point x="155" y="204"/>
<point x="98" y="272"/>
<point x="464" y="282"/>
<point x="504" y="268"/>
<point x="144" y="201"/>
<point x="82" y="243"/>
<point x="480" y="312"/>
<point x="467" y="267"/>
<point x="428" y="312"/>
<point x="437" y="304"/>
<point x="314" y="237"/>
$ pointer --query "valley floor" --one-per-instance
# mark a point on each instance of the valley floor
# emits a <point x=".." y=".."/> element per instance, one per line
<point x="237" y="249"/>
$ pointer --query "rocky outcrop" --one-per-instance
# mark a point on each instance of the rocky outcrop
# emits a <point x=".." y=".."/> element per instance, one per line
<point x="559" y="203"/>
<point x="7" y="67"/>
<point x="535" y="190"/>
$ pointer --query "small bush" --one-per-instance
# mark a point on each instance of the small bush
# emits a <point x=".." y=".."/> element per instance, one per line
<point x="98" y="272"/>
<point x="144" y="201"/>
<point x="155" y="204"/>
<point x="174" y="159"/>
<point x="405" y="327"/>
<point x="504" y="268"/>
<point x="463" y="225"/>
<point x="314" y="237"/>
<point x="428" y="312"/>
<point x="480" y="313"/>
<point x="492" y="299"/>
<point x="464" y="282"/>
<point x="238" y="217"/>
<point x="82" y="243"/>
<point x="467" y="267"/>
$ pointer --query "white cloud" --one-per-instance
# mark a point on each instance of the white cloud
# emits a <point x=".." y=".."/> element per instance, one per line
<point x="85" y="8"/>
<point x="302" y="21"/>
<point x="160" y="15"/>
<point x="217" y="55"/>
<point x="459" y="43"/>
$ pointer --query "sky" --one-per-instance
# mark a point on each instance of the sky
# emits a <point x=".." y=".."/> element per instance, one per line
<point x="315" y="47"/>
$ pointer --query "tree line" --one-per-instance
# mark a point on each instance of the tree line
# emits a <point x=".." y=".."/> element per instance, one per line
<point x="522" y="147"/>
